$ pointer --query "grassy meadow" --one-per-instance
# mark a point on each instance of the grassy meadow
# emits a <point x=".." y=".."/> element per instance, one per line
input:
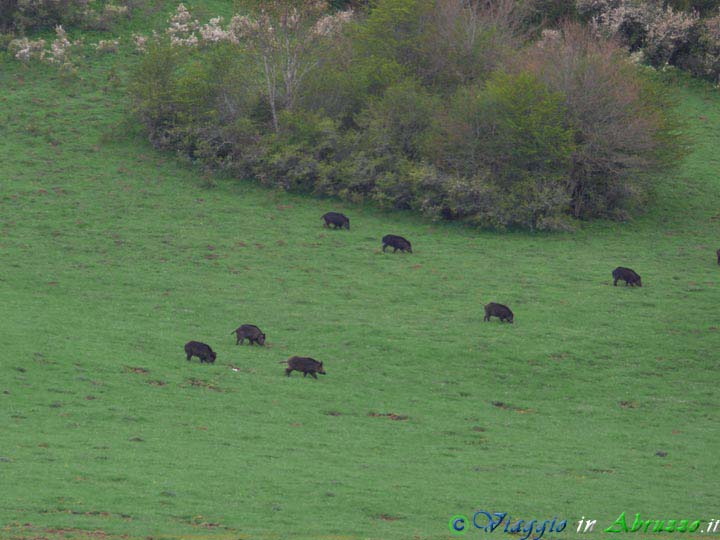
<point x="115" y="255"/>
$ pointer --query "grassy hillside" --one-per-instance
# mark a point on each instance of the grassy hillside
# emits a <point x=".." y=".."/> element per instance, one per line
<point x="114" y="256"/>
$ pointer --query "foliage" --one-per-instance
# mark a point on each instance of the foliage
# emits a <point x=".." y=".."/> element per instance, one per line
<point x="21" y="16"/>
<point x="621" y="120"/>
<point x="509" y="142"/>
<point x="444" y="107"/>
<point x="62" y="52"/>
<point x="682" y="34"/>
<point x="445" y="43"/>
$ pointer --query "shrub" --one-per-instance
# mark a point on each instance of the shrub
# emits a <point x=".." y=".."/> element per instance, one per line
<point x="622" y="121"/>
<point x="396" y="122"/>
<point x="154" y="92"/>
<point x="107" y="46"/>
<point x="512" y="126"/>
<point x="445" y="43"/>
<point x="567" y="127"/>
<point x="21" y="16"/>
<point x="506" y="142"/>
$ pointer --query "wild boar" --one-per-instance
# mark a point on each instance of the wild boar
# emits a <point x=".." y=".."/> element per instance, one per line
<point x="251" y="332"/>
<point x="498" y="310"/>
<point x="201" y="350"/>
<point x="337" y="220"/>
<point x="627" y="275"/>
<point x="304" y="364"/>
<point x="396" y="242"/>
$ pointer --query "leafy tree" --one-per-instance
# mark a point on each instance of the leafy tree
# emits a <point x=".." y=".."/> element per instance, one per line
<point x="283" y="36"/>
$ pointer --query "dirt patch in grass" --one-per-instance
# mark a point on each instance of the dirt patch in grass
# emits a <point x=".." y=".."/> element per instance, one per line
<point x="198" y="383"/>
<point x="391" y="416"/>
<point x="508" y="407"/>
<point x="142" y="371"/>
<point x="78" y="533"/>
<point x="388" y="517"/>
<point x="202" y="523"/>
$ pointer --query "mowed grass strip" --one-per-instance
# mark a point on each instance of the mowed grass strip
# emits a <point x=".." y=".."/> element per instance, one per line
<point x="114" y="256"/>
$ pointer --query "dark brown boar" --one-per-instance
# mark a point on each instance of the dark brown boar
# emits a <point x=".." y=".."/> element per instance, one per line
<point x="337" y="220"/>
<point x="396" y="242"/>
<point x="201" y="350"/>
<point x="630" y="277"/>
<point x="304" y="364"/>
<point x="251" y="332"/>
<point x="498" y="310"/>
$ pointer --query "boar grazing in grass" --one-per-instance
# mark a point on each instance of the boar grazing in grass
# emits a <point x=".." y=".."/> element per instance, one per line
<point x="396" y="242"/>
<point x="627" y="275"/>
<point x="251" y="332"/>
<point x="306" y="365"/>
<point x="337" y="220"/>
<point x="201" y="350"/>
<point x="498" y="310"/>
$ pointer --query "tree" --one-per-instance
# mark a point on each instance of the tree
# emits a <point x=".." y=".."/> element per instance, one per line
<point x="283" y="36"/>
<point x="623" y="124"/>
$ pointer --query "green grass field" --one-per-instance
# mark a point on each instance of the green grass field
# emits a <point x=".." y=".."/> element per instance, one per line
<point x="114" y="256"/>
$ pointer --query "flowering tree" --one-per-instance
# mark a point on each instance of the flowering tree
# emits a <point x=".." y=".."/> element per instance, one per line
<point x="60" y="52"/>
<point x="283" y="37"/>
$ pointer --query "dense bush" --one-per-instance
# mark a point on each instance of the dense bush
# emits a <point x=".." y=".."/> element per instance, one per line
<point x="704" y="7"/>
<point x="680" y="33"/>
<point x="19" y="16"/>
<point x="621" y="132"/>
<point x="444" y="107"/>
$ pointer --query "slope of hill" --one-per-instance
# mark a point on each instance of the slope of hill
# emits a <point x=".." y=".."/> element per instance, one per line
<point x="597" y="401"/>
